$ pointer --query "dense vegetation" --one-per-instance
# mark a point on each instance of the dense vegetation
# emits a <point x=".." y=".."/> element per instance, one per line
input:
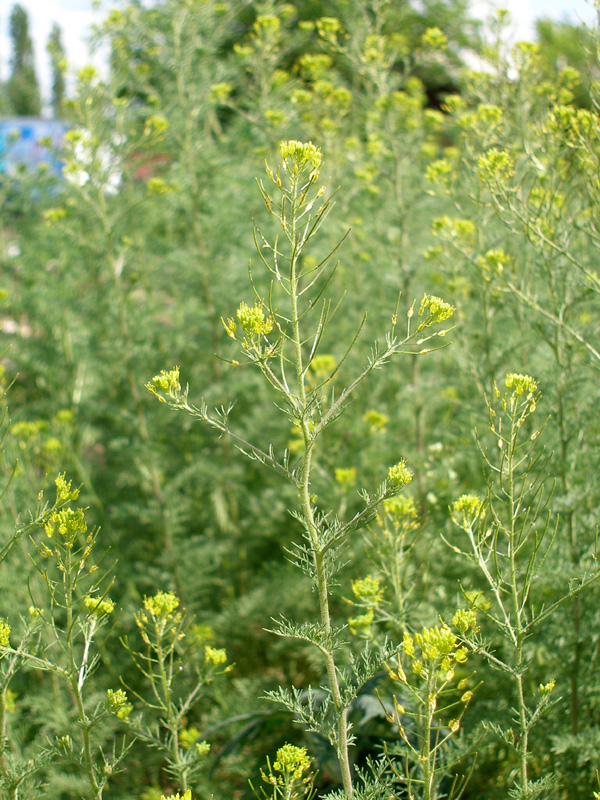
<point x="357" y="556"/>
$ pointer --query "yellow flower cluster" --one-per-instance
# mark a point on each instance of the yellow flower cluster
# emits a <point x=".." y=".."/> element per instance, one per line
<point x="188" y="737"/>
<point x="215" y="656"/>
<point x="520" y="383"/>
<point x="4" y="633"/>
<point x="466" y="510"/>
<point x="495" y="260"/>
<point x="253" y="322"/>
<point x="376" y="420"/>
<point x="220" y="92"/>
<point x="495" y="165"/>
<point x="297" y="156"/>
<point x="439" y="171"/>
<point x="68" y="522"/>
<point x="63" y="489"/>
<point x="159" y="186"/>
<point x="166" y="381"/>
<point x="434" y="309"/>
<point x="399" y="475"/>
<point x="187" y="795"/>
<point x="546" y="688"/>
<point x="346" y="477"/>
<point x="464" y="620"/>
<point x="155" y="125"/>
<point x="328" y="27"/>
<point x="100" y="606"/>
<point x="292" y="760"/>
<point x="55" y="214"/>
<point x="116" y="702"/>
<point x="435" y="648"/>
<point x="460" y="230"/>
<point x="162" y="605"/>
<point x="202" y="748"/>
<point x="400" y="507"/>
<point x="362" y="622"/>
<point x="368" y="589"/>
<point x="434" y="39"/>
<point x="323" y="365"/>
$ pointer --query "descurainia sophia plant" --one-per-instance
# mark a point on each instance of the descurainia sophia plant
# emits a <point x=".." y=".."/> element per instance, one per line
<point x="60" y="637"/>
<point x="275" y="335"/>
<point x="510" y="535"/>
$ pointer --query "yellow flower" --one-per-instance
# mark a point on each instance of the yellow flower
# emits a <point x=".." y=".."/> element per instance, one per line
<point x="202" y="748"/>
<point x="434" y="39"/>
<point x="215" y="656"/>
<point x="188" y="737"/>
<point x="68" y="522"/>
<point x="298" y="156"/>
<point x="408" y="644"/>
<point x="546" y="688"/>
<point x="346" y="477"/>
<point x="163" y="604"/>
<point x="435" y="310"/>
<point x="464" y="619"/>
<point x="4" y="633"/>
<point x="187" y="795"/>
<point x="465" y="511"/>
<point x="520" y="383"/>
<point x="362" y="622"/>
<point x="253" y="322"/>
<point x="495" y="165"/>
<point x="376" y="420"/>
<point x="166" y="381"/>
<point x="399" y="475"/>
<point x="292" y="760"/>
<point x="99" y="605"/>
<point x="116" y="701"/>
<point x="368" y="589"/>
<point x="63" y="489"/>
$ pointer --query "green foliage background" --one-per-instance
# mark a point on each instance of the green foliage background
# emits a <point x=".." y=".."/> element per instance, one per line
<point x="480" y="187"/>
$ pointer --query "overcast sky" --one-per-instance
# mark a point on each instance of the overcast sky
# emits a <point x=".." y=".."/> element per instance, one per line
<point x="76" y="17"/>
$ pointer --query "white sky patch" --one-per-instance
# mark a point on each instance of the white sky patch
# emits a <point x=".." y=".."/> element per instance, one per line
<point x="76" y="18"/>
<point x="524" y="13"/>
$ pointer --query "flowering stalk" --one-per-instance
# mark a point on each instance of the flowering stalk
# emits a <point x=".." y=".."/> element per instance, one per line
<point x="77" y="608"/>
<point x="274" y="339"/>
<point x="290" y="777"/>
<point x="510" y="551"/>
<point x="434" y="656"/>
<point x="164" y="663"/>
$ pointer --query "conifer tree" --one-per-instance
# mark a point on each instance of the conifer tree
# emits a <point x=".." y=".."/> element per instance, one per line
<point x="22" y="86"/>
<point x="56" y="52"/>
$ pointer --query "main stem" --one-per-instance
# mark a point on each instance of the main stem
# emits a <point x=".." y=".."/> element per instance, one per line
<point x="11" y="786"/>
<point x="518" y="627"/>
<point x="305" y="503"/>
<point x="172" y="717"/>
<point x="74" y="680"/>
<point x="428" y="768"/>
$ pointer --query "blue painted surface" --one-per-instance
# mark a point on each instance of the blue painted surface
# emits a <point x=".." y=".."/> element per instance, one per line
<point x="21" y="144"/>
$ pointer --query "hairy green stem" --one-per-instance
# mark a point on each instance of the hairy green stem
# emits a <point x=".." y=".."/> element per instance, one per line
<point x="74" y="681"/>
<point x="307" y="510"/>
<point x="4" y="767"/>
<point x="518" y="625"/>
<point x="172" y="718"/>
<point x="428" y="767"/>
